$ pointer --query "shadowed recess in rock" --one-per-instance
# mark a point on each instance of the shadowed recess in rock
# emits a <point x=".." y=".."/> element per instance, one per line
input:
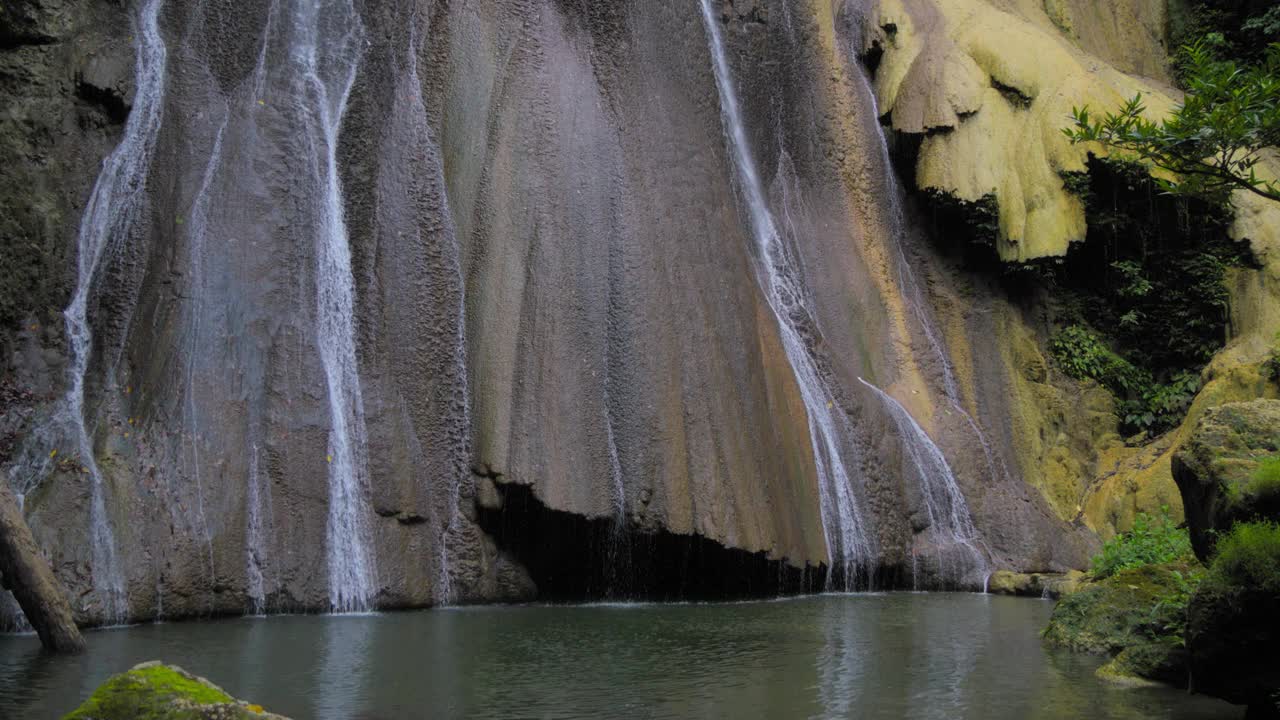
<point x="572" y="559"/>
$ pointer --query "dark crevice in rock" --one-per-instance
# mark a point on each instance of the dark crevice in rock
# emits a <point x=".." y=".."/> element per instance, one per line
<point x="572" y="558"/>
<point x="13" y="41"/>
<point x="1016" y="97"/>
<point x="111" y="102"/>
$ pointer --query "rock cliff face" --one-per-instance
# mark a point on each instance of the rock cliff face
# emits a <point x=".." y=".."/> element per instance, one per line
<point x="383" y="253"/>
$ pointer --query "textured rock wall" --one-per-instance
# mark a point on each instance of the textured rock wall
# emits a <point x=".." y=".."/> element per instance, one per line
<point x="554" y="287"/>
<point x="989" y="85"/>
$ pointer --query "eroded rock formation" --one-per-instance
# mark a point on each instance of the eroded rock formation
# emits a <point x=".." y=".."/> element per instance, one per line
<point x="523" y="230"/>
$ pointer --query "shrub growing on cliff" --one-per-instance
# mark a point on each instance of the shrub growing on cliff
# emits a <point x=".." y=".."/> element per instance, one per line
<point x="1266" y="479"/>
<point x="1145" y="405"/>
<point x="1273" y="362"/>
<point x="1151" y="541"/>
<point x="1248" y="556"/>
<point x="1211" y="142"/>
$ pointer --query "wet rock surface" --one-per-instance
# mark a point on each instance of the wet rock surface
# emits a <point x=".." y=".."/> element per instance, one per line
<point x="553" y="283"/>
<point x="1041" y="585"/>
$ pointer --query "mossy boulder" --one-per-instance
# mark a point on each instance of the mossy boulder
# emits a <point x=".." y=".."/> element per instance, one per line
<point x="153" y="691"/>
<point x="1224" y="471"/>
<point x="1128" y="616"/>
<point x="1042" y="585"/>
<point x="1233" y="623"/>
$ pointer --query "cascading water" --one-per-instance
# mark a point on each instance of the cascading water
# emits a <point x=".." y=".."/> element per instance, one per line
<point x="950" y="524"/>
<point x="849" y="547"/>
<point x="943" y="497"/>
<point x="254" y="538"/>
<point x="114" y="211"/>
<point x="911" y="287"/>
<point x="324" y="49"/>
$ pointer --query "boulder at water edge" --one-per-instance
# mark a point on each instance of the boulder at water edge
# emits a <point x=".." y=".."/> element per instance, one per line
<point x="1125" y="616"/>
<point x="162" y="692"/>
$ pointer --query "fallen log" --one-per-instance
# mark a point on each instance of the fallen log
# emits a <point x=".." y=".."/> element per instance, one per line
<point x="24" y="571"/>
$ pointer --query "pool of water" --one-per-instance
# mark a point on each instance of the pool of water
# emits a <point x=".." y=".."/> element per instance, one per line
<point x="898" y="655"/>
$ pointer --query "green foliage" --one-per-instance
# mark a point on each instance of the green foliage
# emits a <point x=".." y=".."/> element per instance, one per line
<point x="1151" y="541"/>
<point x="1134" y="284"/>
<point x="1168" y="616"/>
<point x="1265" y="481"/>
<point x="1077" y="183"/>
<point x="1231" y="32"/>
<point x="977" y="220"/>
<point x="1248" y="556"/>
<point x="1272" y="365"/>
<point x="1267" y="24"/>
<point x="1083" y="355"/>
<point x="1211" y="142"/>
<point x="1145" y="405"/>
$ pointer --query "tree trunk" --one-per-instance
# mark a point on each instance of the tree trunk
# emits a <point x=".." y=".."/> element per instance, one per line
<point x="24" y="571"/>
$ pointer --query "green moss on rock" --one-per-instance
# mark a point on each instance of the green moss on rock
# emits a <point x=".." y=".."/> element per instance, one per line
<point x="1233" y="626"/>
<point x="1138" y="616"/>
<point x="1224" y="471"/>
<point x="152" y="691"/>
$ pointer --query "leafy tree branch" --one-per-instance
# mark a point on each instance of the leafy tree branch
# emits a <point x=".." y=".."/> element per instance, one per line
<point x="1212" y="142"/>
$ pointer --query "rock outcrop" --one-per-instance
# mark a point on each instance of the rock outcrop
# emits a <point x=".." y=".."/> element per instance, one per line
<point x="1041" y="585"/>
<point x="1126" y="617"/>
<point x="155" y="691"/>
<point x="1229" y="475"/>
<point x="1232" y="624"/>
<point x="553" y="284"/>
<point x="1220" y="470"/>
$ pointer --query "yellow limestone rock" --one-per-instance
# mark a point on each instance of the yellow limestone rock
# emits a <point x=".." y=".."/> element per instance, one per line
<point x="992" y="90"/>
<point x="991" y="84"/>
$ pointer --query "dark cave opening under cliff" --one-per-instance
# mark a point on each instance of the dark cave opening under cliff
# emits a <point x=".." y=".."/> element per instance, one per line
<point x="572" y="558"/>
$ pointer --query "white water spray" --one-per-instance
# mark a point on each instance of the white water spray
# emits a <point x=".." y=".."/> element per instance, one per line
<point x="849" y="548"/>
<point x="949" y="521"/>
<point x="111" y="218"/>
<point x="324" y="49"/>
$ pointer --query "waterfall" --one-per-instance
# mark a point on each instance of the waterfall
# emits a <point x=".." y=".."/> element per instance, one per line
<point x="324" y="51"/>
<point x="949" y="521"/>
<point x="111" y="218"/>
<point x="849" y="548"/>
<point x="907" y="279"/>
<point x="253" y="538"/>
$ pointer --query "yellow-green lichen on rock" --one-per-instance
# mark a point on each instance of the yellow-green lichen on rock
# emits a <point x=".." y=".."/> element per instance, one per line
<point x="1133" y="480"/>
<point x="154" y="691"/>
<point x="991" y="89"/>
<point x="990" y="86"/>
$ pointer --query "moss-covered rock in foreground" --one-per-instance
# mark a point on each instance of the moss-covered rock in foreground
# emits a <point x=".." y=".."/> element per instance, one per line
<point x="1224" y="470"/>
<point x="1233" y="621"/>
<point x="152" y="691"/>
<point x="1133" y="616"/>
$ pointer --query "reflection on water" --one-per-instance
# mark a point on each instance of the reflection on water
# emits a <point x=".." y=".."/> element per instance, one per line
<point x="836" y="656"/>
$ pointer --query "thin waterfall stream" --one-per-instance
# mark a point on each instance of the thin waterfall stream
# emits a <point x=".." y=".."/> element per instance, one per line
<point x="950" y="524"/>
<point x="850" y="548"/>
<point x="324" y="51"/>
<point x="111" y="218"/>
